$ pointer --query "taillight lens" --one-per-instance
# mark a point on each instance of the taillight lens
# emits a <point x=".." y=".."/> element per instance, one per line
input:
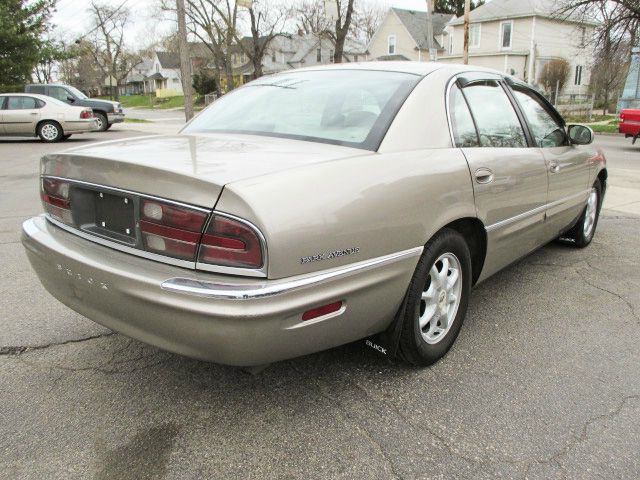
<point x="86" y="114"/>
<point x="170" y="229"/>
<point x="56" y="200"/>
<point x="231" y="243"/>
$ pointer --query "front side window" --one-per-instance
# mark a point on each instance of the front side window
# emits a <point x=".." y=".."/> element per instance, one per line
<point x="464" y="131"/>
<point x="391" y="45"/>
<point x="495" y="118"/>
<point x="343" y="107"/>
<point x="58" y="93"/>
<point x="547" y="131"/>
<point x="505" y="34"/>
<point x="22" y="103"/>
<point x="474" y="35"/>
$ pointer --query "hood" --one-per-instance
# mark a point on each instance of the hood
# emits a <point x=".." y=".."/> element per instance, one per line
<point x="188" y="168"/>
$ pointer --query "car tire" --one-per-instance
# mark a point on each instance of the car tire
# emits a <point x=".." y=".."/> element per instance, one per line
<point x="50" y="131"/>
<point x="437" y="299"/>
<point x="103" y="123"/>
<point x="66" y="137"/>
<point x="581" y="234"/>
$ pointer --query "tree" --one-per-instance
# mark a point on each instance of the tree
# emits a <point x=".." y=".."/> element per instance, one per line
<point x="80" y="69"/>
<point x="204" y="84"/>
<point x="52" y="53"/>
<point x="109" y="50"/>
<point x="344" y="10"/>
<point x="310" y="17"/>
<point x="367" y="19"/>
<point x="454" y="7"/>
<point x="22" y="24"/>
<point x="266" y="22"/>
<point x="554" y="75"/>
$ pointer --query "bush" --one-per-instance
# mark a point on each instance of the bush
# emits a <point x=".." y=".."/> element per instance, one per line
<point x="19" y="88"/>
<point x="204" y="84"/>
<point x="554" y="72"/>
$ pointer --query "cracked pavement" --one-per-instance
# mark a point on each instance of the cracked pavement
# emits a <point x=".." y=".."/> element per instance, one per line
<point x="543" y="381"/>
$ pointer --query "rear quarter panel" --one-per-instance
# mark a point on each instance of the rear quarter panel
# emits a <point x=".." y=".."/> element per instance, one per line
<point x="376" y="205"/>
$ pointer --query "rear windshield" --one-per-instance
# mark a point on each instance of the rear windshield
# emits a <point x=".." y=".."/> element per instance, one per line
<point x="342" y="107"/>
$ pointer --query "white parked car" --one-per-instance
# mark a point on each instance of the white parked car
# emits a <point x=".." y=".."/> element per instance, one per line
<point x="30" y="115"/>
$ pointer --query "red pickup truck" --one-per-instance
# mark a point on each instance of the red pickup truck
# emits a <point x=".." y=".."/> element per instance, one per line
<point x="630" y="123"/>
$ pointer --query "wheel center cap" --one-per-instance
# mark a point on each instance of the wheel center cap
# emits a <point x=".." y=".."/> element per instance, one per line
<point x="442" y="298"/>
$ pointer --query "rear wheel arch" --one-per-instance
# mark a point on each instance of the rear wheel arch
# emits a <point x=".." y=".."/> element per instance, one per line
<point x="475" y="235"/>
<point x="602" y="176"/>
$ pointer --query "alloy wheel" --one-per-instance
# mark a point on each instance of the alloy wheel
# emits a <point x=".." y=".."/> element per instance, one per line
<point x="49" y="132"/>
<point x="590" y="213"/>
<point x="440" y="298"/>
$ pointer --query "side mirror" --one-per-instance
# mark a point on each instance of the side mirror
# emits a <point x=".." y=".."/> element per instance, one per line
<point x="71" y="99"/>
<point x="580" y="134"/>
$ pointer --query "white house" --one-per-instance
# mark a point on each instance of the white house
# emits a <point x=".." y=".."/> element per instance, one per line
<point x="402" y="35"/>
<point x="164" y="76"/>
<point x="519" y="36"/>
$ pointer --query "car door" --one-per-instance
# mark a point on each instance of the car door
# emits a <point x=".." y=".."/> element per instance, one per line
<point x="567" y="164"/>
<point x="509" y="178"/>
<point x="60" y="93"/>
<point x="3" y="101"/>
<point x="20" y="115"/>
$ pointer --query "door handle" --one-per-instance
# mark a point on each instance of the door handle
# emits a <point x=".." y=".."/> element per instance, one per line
<point x="33" y="113"/>
<point x="484" y="175"/>
<point x="554" y="167"/>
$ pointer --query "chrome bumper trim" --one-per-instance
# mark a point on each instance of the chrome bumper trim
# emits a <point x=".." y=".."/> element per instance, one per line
<point x="230" y="291"/>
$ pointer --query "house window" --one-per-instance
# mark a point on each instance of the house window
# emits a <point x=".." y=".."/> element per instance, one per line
<point x="583" y="36"/>
<point x="506" y="29"/>
<point x="355" y="58"/>
<point x="578" y="77"/>
<point x="474" y="35"/>
<point x="157" y="68"/>
<point x="451" y="44"/>
<point x="273" y="57"/>
<point x="319" y="55"/>
<point x="391" y="45"/>
<point x="331" y="56"/>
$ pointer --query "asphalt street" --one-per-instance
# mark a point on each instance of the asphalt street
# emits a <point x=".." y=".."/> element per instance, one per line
<point x="543" y="381"/>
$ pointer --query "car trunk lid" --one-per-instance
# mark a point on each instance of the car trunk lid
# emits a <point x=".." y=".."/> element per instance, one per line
<point x="187" y="168"/>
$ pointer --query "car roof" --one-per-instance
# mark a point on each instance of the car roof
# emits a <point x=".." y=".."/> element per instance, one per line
<point x="35" y="95"/>
<point x="412" y="67"/>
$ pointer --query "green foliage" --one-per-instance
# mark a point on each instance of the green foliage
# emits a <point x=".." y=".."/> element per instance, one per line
<point x="554" y="73"/>
<point x="22" y="23"/>
<point x="203" y="83"/>
<point x="455" y="7"/>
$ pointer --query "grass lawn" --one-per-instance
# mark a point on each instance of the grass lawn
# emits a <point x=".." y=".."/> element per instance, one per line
<point x="150" y="101"/>
<point x="611" y="127"/>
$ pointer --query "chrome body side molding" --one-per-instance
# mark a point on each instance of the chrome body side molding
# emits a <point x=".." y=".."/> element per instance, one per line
<point x="231" y="291"/>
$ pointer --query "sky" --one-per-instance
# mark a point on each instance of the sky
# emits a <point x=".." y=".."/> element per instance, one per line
<point x="72" y="19"/>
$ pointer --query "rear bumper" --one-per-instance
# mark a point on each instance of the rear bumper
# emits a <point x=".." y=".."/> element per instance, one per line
<point x="115" y="117"/>
<point x="247" y="322"/>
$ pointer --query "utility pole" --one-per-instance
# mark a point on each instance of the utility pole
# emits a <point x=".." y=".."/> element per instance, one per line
<point x="185" y="62"/>
<point x="467" y="9"/>
<point x="430" y="47"/>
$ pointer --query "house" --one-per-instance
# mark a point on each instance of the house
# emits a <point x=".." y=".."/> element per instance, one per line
<point x="164" y="78"/>
<point x="402" y="35"/>
<point x="134" y="84"/>
<point x="312" y="49"/>
<point x="519" y="36"/>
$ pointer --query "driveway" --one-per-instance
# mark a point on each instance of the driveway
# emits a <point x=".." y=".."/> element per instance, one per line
<point x="543" y="381"/>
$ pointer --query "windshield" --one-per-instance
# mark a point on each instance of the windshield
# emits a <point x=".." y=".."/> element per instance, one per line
<point x="343" y="107"/>
<point x="77" y="92"/>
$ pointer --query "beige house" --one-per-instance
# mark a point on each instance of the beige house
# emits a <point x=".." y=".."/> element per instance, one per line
<point x="402" y="35"/>
<point x="519" y="36"/>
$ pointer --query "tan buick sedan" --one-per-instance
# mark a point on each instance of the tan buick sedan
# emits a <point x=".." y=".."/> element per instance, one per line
<point x="313" y="208"/>
<point x="31" y="115"/>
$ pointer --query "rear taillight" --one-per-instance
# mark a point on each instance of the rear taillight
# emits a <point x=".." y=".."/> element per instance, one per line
<point x="86" y="114"/>
<point x="170" y="229"/>
<point x="55" y="199"/>
<point x="231" y="243"/>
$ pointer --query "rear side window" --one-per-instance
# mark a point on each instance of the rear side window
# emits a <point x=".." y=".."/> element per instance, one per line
<point x="22" y="103"/>
<point x="39" y="89"/>
<point x="464" y="131"/>
<point x="547" y="131"/>
<point x="496" y="120"/>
